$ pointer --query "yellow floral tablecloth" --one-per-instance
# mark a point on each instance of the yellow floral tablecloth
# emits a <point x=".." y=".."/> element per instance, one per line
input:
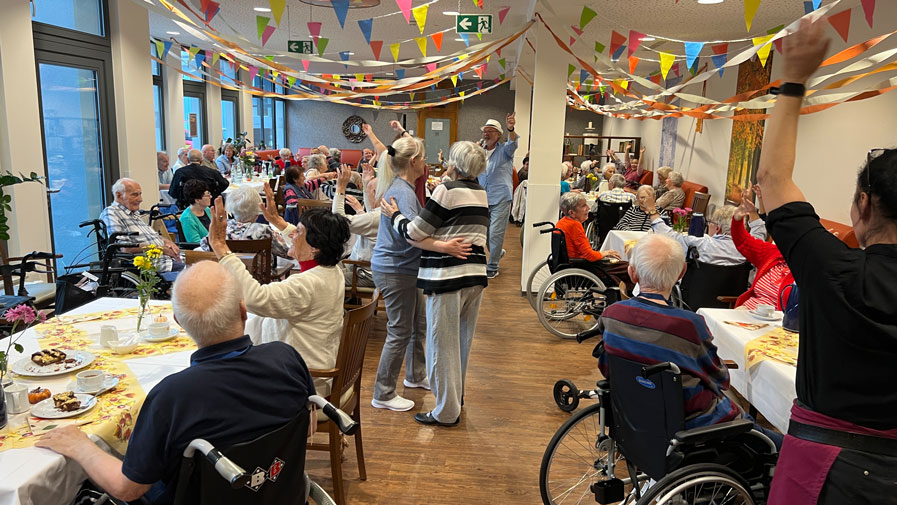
<point x="779" y="345"/>
<point x="113" y="417"/>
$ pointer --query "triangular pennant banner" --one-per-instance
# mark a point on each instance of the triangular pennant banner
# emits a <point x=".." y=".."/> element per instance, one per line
<point x="314" y="29"/>
<point x="816" y="4"/>
<point x="675" y="69"/>
<point x="750" y="10"/>
<point x="572" y="41"/>
<point x="570" y="69"/>
<point x="192" y="52"/>
<point x="502" y="62"/>
<point x="344" y="55"/>
<point x="422" y="45"/>
<point x="599" y="47"/>
<point x="166" y="47"/>
<point x="366" y="26"/>
<point x="583" y="75"/>
<point x="253" y="71"/>
<point x="502" y="13"/>
<point x="291" y="81"/>
<point x="586" y="16"/>
<point x="411" y="95"/>
<point x="763" y="53"/>
<point x="305" y="65"/>
<point x="322" y="45"/>
<point x="616" y="41"/>
<point x="269" y="30"/>
<point x="198" y="60"/>
<point x="635" y="40"/>
<point x="260" y="23"/>
<point x="777" y="43"/>
<point x="376" y="46"/>
<point x="160" y="47"/>
<point x="693" y="70"/>
<point x="394" y="49"/>
<point x="405" y="7"/>
<point x="633" y="62"/>
<point x="577" y="30"/>
<point x="655" y="79"/>
<point x="841" y="23"/>
<point x="480" y="36"/>
<point x="479" y="71"/>
<point x="215" y="57"/>
<point x="400" y="73"/>
<point x="466" y="38"/>
<point x="618" y="53"/>
<point x="692" y="50"/>
<point x="455" y="81"/>
<point x="431" y="67"/>
<point x="277" y="7"/>
<point x="340" y="8"/>
<point x="720" y="55"/>
<point x="868" y="10"/>
<point x="437" y="40"/>
<point x="420" y="16"/>
<point x="808" y="7"/>
<point x="666" y="62"/>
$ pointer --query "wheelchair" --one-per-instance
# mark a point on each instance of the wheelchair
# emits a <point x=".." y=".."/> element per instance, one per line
<point x="631" y="448"/>
<point x="568" y="295"/>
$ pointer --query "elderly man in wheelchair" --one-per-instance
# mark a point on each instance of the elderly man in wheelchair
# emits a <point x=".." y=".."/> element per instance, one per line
<point x="674" y="431"/>
<point x="249" y="400"/>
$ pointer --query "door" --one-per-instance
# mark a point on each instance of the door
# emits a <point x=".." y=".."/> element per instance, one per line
<point x="77" y="148"/>
<point x="439" y="129"/>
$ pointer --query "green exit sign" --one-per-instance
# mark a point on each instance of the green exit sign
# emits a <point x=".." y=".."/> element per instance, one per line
<point x="300" y="46"/>
<point x="473" y="23"/>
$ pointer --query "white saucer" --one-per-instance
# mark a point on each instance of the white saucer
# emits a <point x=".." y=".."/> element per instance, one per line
<point x="110" y="382"/>
<point x="172" y="333"/>
<point x="773" y="317"/>
<point x="47" y="409"/>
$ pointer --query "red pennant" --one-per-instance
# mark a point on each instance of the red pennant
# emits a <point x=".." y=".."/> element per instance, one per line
<point x="502" y="13"/>
<point x="633" y="62"/>
<point x="676" y="69"/>
<point x="369" y="77"/>
<point x="376" y="46"/>
<point x="498" y="52"/>
<point x="635" y="40"/>
<point x="437" y="40"/>
<point x="616" y="40"/>
<point x="720" y="48"/>
<point x="868" y="10"/>
<point x="572" y="41"/>
<point x="655" y="79"/>
<point x="479" y="71"/>
<point x="841" y="23"/>
<point x="576" y="29"/>
<point x="777" y="43"/>
<point x="314" y="29"/>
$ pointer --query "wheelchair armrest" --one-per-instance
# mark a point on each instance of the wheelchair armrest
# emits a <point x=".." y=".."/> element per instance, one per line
<point x="188" y="246"/>
<point x="713" y="432"/>
<point x="345" y="423"/>
<point x="229" y="470"/>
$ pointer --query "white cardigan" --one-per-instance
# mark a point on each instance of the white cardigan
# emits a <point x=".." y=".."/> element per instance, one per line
<point x="364" y="225"/>
<point x="305" y="311"/>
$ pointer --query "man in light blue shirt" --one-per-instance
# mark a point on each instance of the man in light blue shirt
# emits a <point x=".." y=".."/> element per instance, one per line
<point x="498" y="180"/>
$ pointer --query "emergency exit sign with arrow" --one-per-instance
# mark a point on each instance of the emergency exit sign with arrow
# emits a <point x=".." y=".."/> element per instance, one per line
<point x="300" y="46"/>
<point x="473" y="23"/>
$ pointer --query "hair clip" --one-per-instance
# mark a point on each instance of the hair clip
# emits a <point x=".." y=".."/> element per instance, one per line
<point x="390" y="150"/>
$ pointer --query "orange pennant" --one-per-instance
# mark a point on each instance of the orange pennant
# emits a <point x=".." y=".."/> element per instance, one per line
<point x="633" y="62"/>
<point x="437" y="40"/>
<point x="841" y="23"/>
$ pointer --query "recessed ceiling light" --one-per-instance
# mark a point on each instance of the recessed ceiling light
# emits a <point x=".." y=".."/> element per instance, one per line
<point x="261" y="9"/>
<point x="648" y="39"/>
<point x="173" y="33"/>
<point x="451" y="13"/>
<point x="708" y="2"/>
<point x="459" y="40"/>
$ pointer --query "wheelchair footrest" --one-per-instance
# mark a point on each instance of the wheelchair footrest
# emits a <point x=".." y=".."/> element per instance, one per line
<point x="608" y="491"/>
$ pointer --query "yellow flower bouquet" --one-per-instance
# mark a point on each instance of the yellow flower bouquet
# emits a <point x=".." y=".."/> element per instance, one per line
<point x="146" y="271"/>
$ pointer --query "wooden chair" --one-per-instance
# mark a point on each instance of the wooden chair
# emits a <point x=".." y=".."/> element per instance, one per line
<point x="260" y="264"/>
<point x="278" y="193"/>
<point x="304" y="204"/>
<point x="354" y="291"/>
<point x="191" y="257"/>
<point x="699" y="202"/>
<point x="346" y="392"/>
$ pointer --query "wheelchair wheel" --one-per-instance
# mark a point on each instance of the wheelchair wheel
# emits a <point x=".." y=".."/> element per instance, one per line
<point x="592" y="234"/>
<point x="536" y="279"/>
<point x="567" y="305"/>
<point x="699" y="484"/>
<point x="566" y="395"/>
<point x="317" y="494"/>
<point x="577" y="457"/>
<point x="125" y="285"/>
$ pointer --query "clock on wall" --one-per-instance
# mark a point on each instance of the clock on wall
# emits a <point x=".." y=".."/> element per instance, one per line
<point x="352" y="129"/>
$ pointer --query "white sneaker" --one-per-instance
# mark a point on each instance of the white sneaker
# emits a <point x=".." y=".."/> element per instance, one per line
<point x="397" y="404"/>
<point x="424" y="384"/>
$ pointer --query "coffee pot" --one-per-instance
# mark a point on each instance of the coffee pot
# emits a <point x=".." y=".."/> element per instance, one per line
<point x="791" y="308"/>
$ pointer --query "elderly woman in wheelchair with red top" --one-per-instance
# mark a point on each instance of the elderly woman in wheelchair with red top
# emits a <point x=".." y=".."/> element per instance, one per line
<point x="575" y="211"/>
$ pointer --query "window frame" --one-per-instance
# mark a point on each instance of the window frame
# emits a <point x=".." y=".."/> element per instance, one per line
<point x="158" y="84"/>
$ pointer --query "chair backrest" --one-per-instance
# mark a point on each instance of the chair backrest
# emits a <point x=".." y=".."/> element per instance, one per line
<point x="699" y="202"/>
<point x="845" y="232"/>
<point x="350" y="156"/>
<point x="260" y="267"/>
<point x="647" y="412"/>
<point x="357" y="325"/>
<point x="275" y="461"/>
<point x="191" y="257"/>
<point x="303" y="204"/>
<point x="609" y="215"/>
<point x="703" y="282"/>
<point x="647" y="178"/>
<point x="559" y="254"/>
<point x="690" y="188"/>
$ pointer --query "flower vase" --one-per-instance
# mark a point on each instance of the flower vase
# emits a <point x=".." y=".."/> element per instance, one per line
<point x="142" y="310"/>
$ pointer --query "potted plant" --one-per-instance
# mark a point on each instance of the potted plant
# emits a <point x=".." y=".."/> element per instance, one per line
<point x="8" y="179"/>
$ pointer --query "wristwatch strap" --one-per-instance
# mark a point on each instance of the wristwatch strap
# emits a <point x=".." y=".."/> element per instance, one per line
<point x="789" y="89"/>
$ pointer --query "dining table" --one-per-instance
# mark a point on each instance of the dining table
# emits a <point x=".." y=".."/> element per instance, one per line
<point x="768" y="384"/>
<point x="617" y="240"/>
<point x="33" y="475"/>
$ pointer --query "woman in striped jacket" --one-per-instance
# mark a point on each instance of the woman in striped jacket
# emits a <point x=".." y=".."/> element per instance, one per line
<point x="457" y="213"/>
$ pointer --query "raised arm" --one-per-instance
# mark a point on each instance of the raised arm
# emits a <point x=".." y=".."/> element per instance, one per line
<point x="378" y="146"/>
<point x="803" y="51"/>
<point x="510" y="123"/>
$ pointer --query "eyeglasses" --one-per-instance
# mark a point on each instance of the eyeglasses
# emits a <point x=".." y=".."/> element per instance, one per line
<point x="871" y="155"/>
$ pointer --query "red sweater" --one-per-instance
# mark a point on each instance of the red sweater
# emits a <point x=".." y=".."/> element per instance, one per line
<point x="577" y="244"/>
<point x="763" y="255"/>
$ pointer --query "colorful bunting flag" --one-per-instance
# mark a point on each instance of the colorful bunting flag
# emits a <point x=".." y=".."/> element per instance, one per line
<point x="366" y="26"/>
<point x="480" y="36"/>
<point x="322" y="45"/>
<point x="192" y="52"/>
<point x="260" y="23"/>
<point x="777" y="43"/>
<point x="291" y="81"/>
<point x="676" y="69"/>
<point x="868" y="10"/>
<point x="253" y="71"/>
<point x="376" y="46"/>
<point x="720" y="55"/>
<point x="599" y="47"/>
<point x="160" y="47"/>
<point x="808" y="7"/>
<point x="616" y="41"/>
<point x="692" y="50"/>
<point x="422" y="45"/>
<point x="455" y="81"/>
<point x="305" y="65"/>
<point x="572" y="41"/>
<point x="466" y="38"/>
<point x="344" y="55"/>
<point x="166" y="48"/>
<point x="198" y="60"/>
<point x="420" y="16"/>
<point x="340" y="8"/>
<point x="570" y="69"/>
<point x="437" y="40"/>
<point x="763" y="53"/>
<point x="502" y="62"/>
<point x="750" y="10"/>
<point x="359" y="77"/>
<point x="586" y="16"/>
<point x="394" y="49"/>
<point x="577" y="30"/>
<point x="277" y="7"/>
<point x="816" y="4"/>
<point x="616" y="55"/>
<point x="666" y="62"/>
<point x="583" y="75"/>
<point x="314" y="29"/>
<point x="215" y="57"/>
<point x="405" y="7"/>
<point x="479" y="71"/>
<point x="502" y="13"/>
<point x="400" y="73"/>
<point x="635" y="40"/>
<point x="431" y="67"/>
<point x="269" y="30"/>
<point x="841" y="23"/>
<point x="210" y="9"/>
<point x="633" y="62"/>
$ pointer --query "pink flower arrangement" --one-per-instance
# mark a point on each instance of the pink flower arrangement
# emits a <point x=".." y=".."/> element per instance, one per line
<point x="24" y="314"/>
<point x="20" y="314"/>
<point x="680" y="218"/>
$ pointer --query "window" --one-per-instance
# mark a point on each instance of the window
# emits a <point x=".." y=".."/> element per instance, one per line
<point x="157" y="100"/>
<point x="78" y="15"/>
<point x="230" y="73"/>
<point x="269" y="116"/>
<point x="229" y="114"/>
<point x="189" y="66"/>
<point x="195" y="131"/>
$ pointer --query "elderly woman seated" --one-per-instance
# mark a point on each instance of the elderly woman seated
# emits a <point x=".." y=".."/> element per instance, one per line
<point x="305" y="310"/>
<point x="674" y="197"/>
<point x="636" y="218"/>
<point x="617" y="194"/>
<point x="297" y="187"/>
<point x="566" y="173"/>
<point x="285" y="158"/>
<point x="196" y="218"/>
<point x="575" y="210"/>
<point x="715" y="247"/>
<point x="243" y="203"/>
<point x="660" y="185"/>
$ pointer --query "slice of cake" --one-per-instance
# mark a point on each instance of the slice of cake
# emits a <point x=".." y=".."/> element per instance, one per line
<point x="66" y="401"/>
<point x="48" y="357"/>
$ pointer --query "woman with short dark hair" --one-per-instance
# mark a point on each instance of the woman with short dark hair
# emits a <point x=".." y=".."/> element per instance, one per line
<point x="297" y="187"/>
<point x="196" y="218"/>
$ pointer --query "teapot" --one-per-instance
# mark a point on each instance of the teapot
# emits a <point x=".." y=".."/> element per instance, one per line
<point x="790" y="307"/>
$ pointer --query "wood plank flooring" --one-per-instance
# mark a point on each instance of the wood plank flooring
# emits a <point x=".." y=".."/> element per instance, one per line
<point x="493" y="455"/>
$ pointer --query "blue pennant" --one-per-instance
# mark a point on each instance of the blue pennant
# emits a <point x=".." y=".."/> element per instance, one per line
<point x="466" y="38"/>
<point x="341" y="8"/>
<point x="616" y="55"/>
<point x="366" y="26"/>
<point x="400" y="73"/>
<point x="692" y="49"/>
<point x="719" y="60"/>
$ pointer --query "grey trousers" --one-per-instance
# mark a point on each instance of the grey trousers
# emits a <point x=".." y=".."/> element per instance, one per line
<point x="405" y="333"/>
<point x="451" y="322"/>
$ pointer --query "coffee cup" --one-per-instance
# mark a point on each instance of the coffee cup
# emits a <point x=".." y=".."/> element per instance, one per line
<point x="159" y="330"/>
<point x="108" y="333"/>
<point x="16" y="396"/>
<point x="91" y="380"/>
<point x="765" y="310"/>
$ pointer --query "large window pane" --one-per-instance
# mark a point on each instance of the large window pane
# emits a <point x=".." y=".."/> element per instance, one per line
<point x="188" y="65"/>
<point x="157" y="105"/>
<point x="193" y="121"/>
<point x="230" y="74"/>
<point x="228" y="119"/>
<point x="70" y="114"/>
<point x="257" y="134"/>
<point x="268" y="126"/>
<point x="280" y="124"/>
<point x="81" y="15"/>
<point x="156" y="66"/>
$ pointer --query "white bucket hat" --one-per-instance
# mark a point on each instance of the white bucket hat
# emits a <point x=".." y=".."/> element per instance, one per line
<point x="494" y="124"/>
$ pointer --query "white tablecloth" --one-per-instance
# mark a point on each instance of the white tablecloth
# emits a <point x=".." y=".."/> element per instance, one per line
<point x="769" y="386"/>
<point x="40" y="476"/>
<point x="257" y="184"/>
<point x="616" y="240"/>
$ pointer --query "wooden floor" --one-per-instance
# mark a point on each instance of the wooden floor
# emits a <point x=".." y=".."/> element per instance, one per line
<point x="493" y="455"/>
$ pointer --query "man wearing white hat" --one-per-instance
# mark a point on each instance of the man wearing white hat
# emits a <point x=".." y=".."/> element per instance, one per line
<point x="498" y="182"/>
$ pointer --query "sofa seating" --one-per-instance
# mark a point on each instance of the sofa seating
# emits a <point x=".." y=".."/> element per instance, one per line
<point x="690" y="188"/>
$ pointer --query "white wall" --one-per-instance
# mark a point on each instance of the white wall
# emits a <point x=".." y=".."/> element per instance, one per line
<point x="831" y="144"/>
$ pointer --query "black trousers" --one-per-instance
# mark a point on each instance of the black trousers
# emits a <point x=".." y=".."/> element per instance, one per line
<point x="859" y="478"/>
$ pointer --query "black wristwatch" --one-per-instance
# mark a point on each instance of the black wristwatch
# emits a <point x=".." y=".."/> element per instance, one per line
<point x="789" y="89"/>
<point x="510" y="129"/>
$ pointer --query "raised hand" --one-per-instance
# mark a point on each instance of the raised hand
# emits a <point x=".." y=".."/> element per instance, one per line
<point x="343" y="174"/>
<point x="218" y="228"/>
<point x="804" y="51"/>
<point x="511" y="121"/>
<point x="355" y="204"/>
<point x="366" y="128"/>
<point x="367" y="173"/>
<point x="397" y="126"/>
<point x="269" y="209"/>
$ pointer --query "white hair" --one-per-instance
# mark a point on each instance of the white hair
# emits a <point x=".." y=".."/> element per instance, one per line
<point x="120" y="187"/>
<point x="317" y="162"/>
<point x="286" y="153"/>
<point x="570" y="201"/>
<point x="207" y="319"/>
<point x="676" y="177"/>
<point x="336" y="154"/>
<point x="243" y="203"/>
<point x="586" y="165"/>
<point x="468" y="158"/>
<point x="564" y="169"/>
<point x="658" y="261"/>
<point x="645" y="188"/>
<point x="722" y="217"/>
<point x="617" y="181"/>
